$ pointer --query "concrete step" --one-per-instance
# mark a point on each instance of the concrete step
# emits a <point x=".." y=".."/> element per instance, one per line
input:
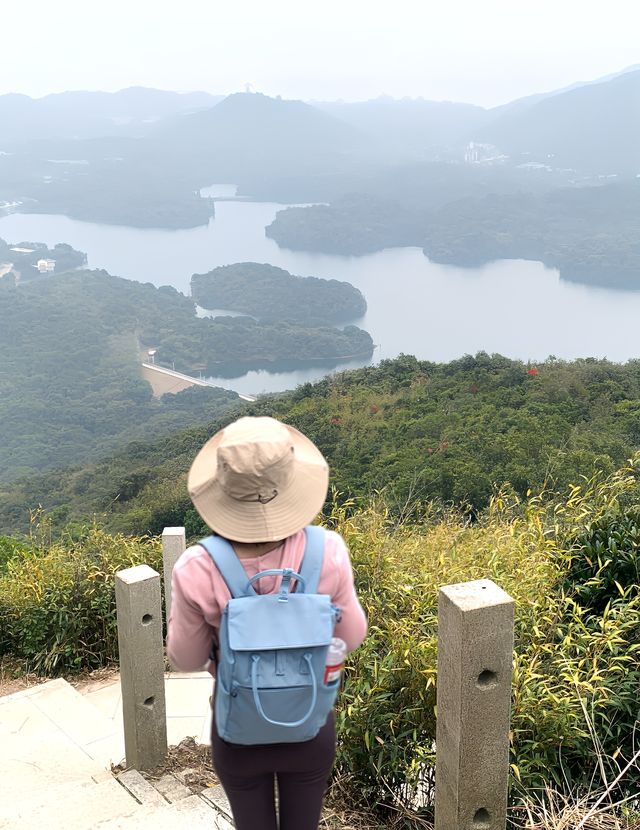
<point x="55" y="761"/>
<point x="56" y="713"/>
<point x="191" y="813"/>
<point x="217" y="797"/>
<point x="55" y="771"/>
<point x="74" y="805"/>
<point x="169" y="788"/>
<point x="187" y="703"/>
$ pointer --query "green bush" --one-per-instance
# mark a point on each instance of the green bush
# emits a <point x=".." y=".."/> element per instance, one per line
<point x="605" y="563"/>
<point x="576" y="676"/>
<point x="57" y="601"/>
<point x="9" y="548"/>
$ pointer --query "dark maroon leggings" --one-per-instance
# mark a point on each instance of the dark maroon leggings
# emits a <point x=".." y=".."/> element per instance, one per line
<point x="301" y="770"/>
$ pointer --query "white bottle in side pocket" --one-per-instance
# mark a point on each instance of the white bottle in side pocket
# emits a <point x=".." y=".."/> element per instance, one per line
<point x="336" y="654"/>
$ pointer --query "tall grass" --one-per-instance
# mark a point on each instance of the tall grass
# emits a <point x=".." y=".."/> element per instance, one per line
<point x="576" y="673"/>
<point x="57" y="600"/>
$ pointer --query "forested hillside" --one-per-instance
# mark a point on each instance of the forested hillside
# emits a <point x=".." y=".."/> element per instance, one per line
<point x="70" y="385"/>
<point x="419" y="431"/>
<point x="422" y="454"/>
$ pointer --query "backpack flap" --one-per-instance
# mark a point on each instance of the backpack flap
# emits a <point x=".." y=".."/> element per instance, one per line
<point x="269" y="622"/>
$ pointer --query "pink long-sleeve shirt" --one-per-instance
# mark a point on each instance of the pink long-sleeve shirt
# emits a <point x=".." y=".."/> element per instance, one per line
<point x="199" y="595"/>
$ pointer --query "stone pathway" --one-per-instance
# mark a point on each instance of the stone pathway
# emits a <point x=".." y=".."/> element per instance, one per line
<point x="58" y="744"/>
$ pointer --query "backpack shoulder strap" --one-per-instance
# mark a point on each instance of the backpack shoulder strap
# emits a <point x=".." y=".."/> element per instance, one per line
<point x="313" y="557"/>
<point x="225" y="559"/>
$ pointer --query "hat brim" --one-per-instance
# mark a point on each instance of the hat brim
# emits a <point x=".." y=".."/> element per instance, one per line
<point x="250" y="521"/>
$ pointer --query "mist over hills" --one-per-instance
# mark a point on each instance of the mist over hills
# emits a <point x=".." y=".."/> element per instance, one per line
<point x="595" y="127"/>
<point x="239" y="112"/>
<point x="88" y="433"/>
<point x="410" y="125"/>
<point x="529" y="100"/>
<point x="84" y="114"/>
<point x="142" y="147"/>
<point x="250" y="131"/>
<point x="571" y="123"/>
<point x="592" y="126"/>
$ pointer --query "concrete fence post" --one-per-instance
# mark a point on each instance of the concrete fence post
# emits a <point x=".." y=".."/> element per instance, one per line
<point x="139" y="610"/>
<point x="173" y="546"/>
<point x="475" y="648"/>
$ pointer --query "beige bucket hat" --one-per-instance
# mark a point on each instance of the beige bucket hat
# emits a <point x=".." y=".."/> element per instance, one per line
<point x="258" y="480"/>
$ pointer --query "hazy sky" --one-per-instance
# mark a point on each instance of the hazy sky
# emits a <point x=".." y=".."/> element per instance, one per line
<point x="485" y="52"/>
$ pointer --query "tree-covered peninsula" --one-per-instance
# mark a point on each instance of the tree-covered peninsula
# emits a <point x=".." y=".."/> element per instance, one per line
<point x="589" y="233"/>
<point x="351" y="225"/>
<point x="269" y="293"/>
<point x="110" y="180"/>
<point x="233" y="345"/>
<point x="70" y="383"/>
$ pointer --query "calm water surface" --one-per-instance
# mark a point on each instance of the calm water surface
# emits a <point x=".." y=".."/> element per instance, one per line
<point x="436" y="312"/>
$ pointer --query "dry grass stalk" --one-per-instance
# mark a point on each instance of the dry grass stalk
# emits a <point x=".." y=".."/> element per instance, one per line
<point x="361" y="817"/>
<point x="550" y="809"/>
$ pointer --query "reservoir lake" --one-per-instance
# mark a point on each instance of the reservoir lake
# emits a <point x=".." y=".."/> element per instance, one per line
<point x="518" y="308"/>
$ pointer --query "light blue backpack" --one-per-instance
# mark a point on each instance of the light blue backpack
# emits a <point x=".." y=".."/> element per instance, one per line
<point x="272" y="651"/>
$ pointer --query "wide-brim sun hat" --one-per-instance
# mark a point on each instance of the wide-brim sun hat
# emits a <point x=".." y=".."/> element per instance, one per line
<point x="258" y="480"/>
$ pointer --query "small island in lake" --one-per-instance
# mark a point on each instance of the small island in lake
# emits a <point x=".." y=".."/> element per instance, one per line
<point x="273" y="294"/>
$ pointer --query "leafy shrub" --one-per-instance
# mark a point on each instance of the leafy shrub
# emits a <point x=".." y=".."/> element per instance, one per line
<point x="576" y="695"/>
<point x="9" y="548"/>
<point x="576" y="677"/>
<point x="57" y="602"/>
<point x="605" y="563"/>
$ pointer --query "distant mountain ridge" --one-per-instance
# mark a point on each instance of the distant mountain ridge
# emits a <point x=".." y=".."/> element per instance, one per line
<point x="530" y="100"/>
<point x="593" y="127"/>
<point x="251" y="130"/>
<point x="410" y="124"/>
<point x="84" y="114"/>
<point x="140" y="156"/>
